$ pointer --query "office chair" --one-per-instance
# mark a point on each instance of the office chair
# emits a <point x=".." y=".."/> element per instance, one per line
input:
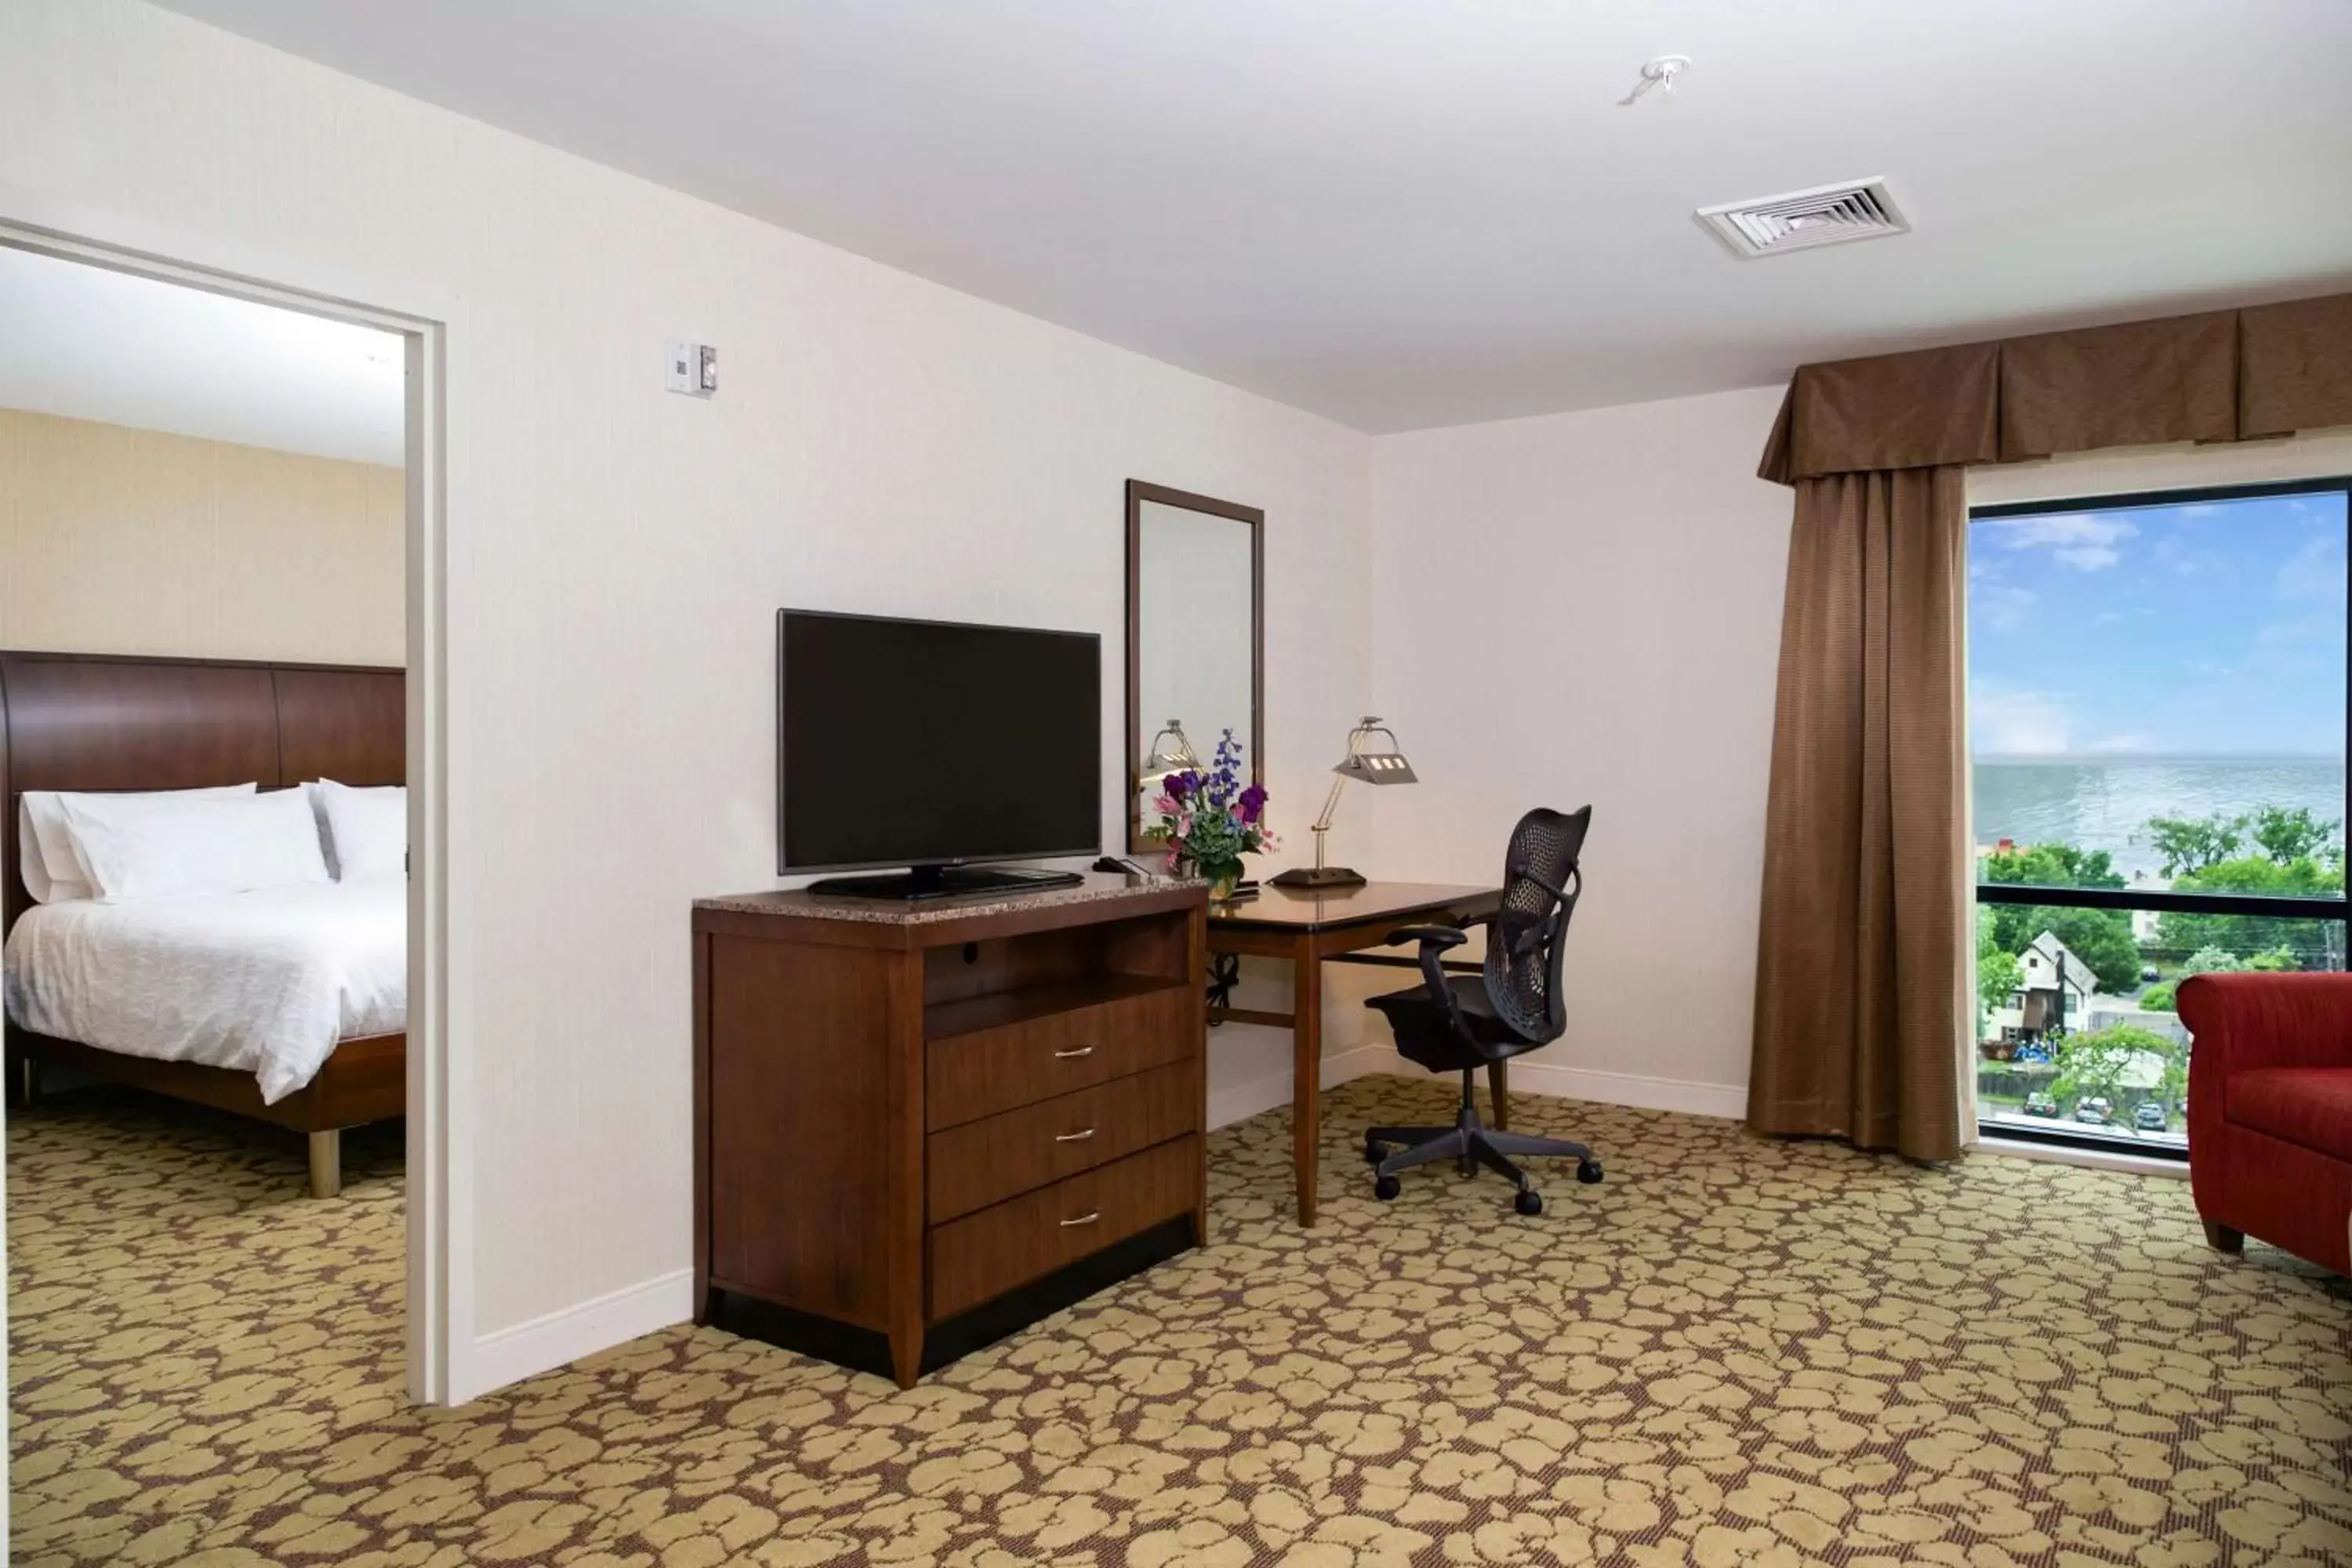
<point x="1461" y="1023"/>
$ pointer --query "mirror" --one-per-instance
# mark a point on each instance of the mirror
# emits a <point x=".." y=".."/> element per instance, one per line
<point x="1195" y="619"/>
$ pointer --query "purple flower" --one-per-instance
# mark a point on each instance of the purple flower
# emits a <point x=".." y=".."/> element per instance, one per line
<point x="1179" y="785"/>
<point x="1252" y="803"/>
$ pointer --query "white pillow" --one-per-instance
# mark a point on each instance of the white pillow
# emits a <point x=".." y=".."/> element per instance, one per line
<point x="45" y="850"/>
<point x="138" y="850"/>
<point x="367" y="828"/>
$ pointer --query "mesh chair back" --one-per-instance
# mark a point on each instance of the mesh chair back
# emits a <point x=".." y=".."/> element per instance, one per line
<point x="1523" y="950"/>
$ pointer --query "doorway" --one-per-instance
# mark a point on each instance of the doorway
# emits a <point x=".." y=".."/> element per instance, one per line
<point x="352" y="391"/>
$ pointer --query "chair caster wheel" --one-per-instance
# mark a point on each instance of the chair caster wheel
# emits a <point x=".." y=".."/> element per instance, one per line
<point x="1373" y="1153"/>
<point x="1528" y="1201"/>
<point x="1386" y="1188"/>
<point x="1588" y="1170"/>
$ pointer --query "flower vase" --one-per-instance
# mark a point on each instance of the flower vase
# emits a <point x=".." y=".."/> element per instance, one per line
<point x="1221" y="886"/>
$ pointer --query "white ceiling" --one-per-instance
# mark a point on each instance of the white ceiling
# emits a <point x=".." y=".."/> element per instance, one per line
<point x="89" y="344"/>
<point x="1404" y="213"/>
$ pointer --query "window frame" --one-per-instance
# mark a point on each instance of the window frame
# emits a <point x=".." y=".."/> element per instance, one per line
<point x="2162" y="902"/>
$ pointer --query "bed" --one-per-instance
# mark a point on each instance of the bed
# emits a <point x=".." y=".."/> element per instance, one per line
<point x="287" y="1004"/>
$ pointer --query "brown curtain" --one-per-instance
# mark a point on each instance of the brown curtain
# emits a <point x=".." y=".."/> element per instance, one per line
<point x="1860" y="959"/>
<point x="2225" y="375"/>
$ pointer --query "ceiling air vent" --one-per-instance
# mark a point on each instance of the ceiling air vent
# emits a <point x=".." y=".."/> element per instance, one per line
<point x="1826" y="215"/>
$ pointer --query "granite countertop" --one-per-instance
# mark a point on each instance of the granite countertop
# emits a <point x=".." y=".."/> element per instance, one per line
<point x="1098" y="888"/>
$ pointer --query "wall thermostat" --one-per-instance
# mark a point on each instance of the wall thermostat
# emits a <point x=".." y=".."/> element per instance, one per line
<point x="691" y="368"/>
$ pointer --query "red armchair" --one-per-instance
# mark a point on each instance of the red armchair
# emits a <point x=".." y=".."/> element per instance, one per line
<point x="2270" y="1110"/>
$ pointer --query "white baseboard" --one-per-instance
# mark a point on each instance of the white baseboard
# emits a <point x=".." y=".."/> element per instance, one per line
<point x="1723" y="1099"/>
<point x="1729" y="1101"/>
<point x="528" y="1349"/>
<point x="1237" y="1100"/>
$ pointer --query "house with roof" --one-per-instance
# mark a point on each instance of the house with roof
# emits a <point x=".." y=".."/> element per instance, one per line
<point x="2054" y="990"/>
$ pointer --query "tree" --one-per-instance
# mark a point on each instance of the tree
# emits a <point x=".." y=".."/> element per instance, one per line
<point x="2051" y="866"/>
<point x="2303" y="937"/>
<point x="2214" y="961"/>
<point x="1999" y="975"/>
<point x="2100" y="938"/>
<point x="2093" y="1063"/>
<point x="2190" y="844"/>
<point x="2287" y="835"/>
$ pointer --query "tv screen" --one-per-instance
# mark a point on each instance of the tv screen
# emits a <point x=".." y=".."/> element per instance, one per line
<point x="930" y="743"/>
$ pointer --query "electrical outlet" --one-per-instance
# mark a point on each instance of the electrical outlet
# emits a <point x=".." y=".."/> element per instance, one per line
<point x="689" y="368"/>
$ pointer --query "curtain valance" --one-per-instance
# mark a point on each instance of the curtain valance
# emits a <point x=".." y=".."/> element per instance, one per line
<point x="2224" y="375"/>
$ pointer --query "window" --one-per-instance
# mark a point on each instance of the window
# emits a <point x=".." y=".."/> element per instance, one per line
<point x="2158" y="715"/>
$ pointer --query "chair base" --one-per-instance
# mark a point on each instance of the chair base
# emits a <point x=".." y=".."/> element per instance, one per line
<point x="1469" y="1143"/>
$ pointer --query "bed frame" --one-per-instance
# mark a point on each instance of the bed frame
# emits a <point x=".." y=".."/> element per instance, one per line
<point x="97" y="721"/>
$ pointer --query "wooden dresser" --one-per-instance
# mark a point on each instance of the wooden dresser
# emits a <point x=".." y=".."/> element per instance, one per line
<point x="902" y="1112"/>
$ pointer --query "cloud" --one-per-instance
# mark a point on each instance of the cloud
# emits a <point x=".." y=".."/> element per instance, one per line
<point x="2185" y="560"/>
<point x="2122" y="743"/>
<point x="2004" y="609"/>
<point x="2297" y="633"/>
<point x="2088" y="557"/>
<point x="2002" y="722"/>
<point x="2086" y="541"/>
<point x="2314" y="571"/>
<point x="2307" y="645"/>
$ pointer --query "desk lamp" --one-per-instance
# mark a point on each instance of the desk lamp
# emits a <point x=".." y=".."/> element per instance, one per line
<point x="1374" y="766"/>
<point x="1171" y="752"/>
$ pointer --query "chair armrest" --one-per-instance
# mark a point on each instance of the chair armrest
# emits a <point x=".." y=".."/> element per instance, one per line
<point x="1434" y="941"/>
<point x="2241" y="1022"/>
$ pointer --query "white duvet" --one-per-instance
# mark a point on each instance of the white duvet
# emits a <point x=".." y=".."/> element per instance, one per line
<point x="265" y="981"/>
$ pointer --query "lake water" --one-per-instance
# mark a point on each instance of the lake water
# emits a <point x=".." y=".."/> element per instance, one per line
<point x="2101" y="803"/>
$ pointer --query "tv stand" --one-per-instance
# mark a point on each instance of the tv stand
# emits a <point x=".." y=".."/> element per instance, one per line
<point x="944" y="882"/>
<point x="919" y="1126"/>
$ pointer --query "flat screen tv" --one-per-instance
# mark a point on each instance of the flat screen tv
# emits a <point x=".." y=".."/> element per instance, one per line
<point x="934" y="745"/>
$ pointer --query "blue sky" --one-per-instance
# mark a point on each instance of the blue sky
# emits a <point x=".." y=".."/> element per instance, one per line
<point x="2216" y="628"/>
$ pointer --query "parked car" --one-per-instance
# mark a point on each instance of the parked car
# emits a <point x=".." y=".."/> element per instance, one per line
<point x="2149" y="1117"/>
<point x="2041" y="1102"/>
<point x="2094" y="1111"/>
<point x="2150" y="972"/>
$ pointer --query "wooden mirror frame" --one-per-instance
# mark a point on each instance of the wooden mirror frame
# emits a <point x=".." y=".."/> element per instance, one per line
<point x="1253" y="519"/>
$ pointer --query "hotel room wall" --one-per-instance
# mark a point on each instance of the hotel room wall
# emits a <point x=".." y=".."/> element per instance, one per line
<point x="1586" y="607"/>
<point x="616" y="553"/>
<point x="115" y="540"/>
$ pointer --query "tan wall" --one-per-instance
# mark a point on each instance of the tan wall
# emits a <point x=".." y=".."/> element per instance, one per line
<point x="122" y="541"/>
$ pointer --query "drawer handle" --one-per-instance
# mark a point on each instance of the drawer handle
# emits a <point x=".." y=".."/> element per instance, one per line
<point x="1081" y="1051"/>
<point x="1087" y="1218"/>
<point x="1078" y="1137"/>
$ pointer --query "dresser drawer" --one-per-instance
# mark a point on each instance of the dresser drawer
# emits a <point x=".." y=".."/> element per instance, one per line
<point x="989" y="1253"/>
<point x="969" y="1075"/>
<point x="981" y="1162"/>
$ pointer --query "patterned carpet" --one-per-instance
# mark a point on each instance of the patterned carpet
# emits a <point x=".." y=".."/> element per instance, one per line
<point x="1732" y="1352"/>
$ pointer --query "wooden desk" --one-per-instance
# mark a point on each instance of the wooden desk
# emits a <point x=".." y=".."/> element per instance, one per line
<point x="1307" y="926"/>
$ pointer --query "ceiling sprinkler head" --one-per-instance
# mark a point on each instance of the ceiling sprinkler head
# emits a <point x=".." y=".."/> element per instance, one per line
<point x="1659" y="73"/>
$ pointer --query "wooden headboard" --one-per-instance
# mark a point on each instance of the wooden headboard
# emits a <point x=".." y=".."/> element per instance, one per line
<point x="102" y="721"/>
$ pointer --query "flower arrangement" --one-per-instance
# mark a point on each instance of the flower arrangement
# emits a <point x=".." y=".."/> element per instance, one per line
<point x="1213" y="819"/>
